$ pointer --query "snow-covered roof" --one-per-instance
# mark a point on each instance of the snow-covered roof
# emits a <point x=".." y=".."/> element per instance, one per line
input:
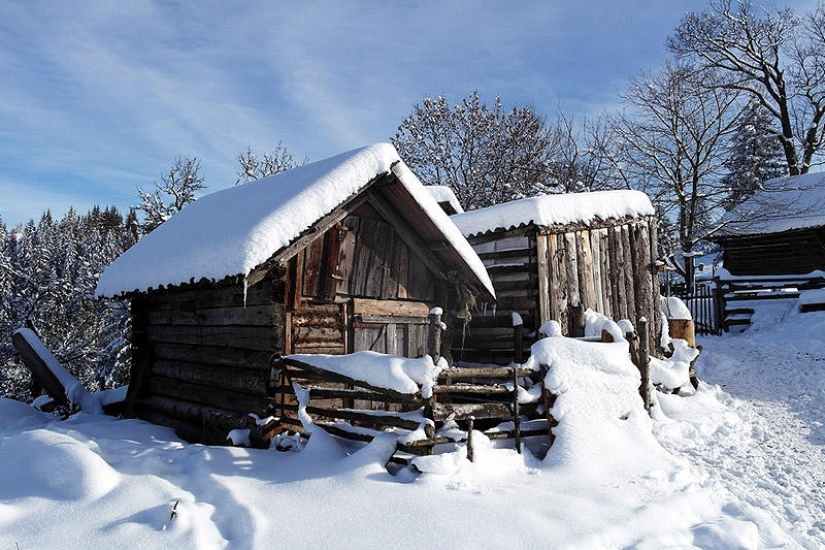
<point x="442" y="194"/>
<point x="233" y="231"/>
<point x="549" y="210"/>
<point x="790" y="202"/>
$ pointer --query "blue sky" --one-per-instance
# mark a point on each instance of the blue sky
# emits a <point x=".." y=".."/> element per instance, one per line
<point x="99" y="97"/>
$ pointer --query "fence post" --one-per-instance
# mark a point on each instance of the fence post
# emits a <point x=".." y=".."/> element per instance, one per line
<point x="516" y="411"/>
<point x="644" y="363"/>
<point x="470" y="428"/>
<point x="719" y="306"/>
<point x="518" y="339"/>
<point x="434" y="334"/>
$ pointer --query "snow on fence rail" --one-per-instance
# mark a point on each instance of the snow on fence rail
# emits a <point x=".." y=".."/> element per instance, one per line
<point x="737" y="294"/>
<point x="439" y="412"/>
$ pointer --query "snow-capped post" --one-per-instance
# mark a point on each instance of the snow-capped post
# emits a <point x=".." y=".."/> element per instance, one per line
<point x="434" y="334"/>
<point x="644" y="363"/>
<point x="516" y="411"/>
<point x="470" y="428"/>
<point x="518" y="338"/>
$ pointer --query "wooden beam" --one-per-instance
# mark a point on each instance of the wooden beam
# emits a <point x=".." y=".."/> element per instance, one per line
<point x="391" y="308"/>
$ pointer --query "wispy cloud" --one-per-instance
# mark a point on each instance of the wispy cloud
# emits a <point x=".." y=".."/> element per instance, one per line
<point x="98" y="97"/>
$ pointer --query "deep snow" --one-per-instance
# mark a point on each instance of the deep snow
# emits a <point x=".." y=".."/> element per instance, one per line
<point x="739" y="464"/>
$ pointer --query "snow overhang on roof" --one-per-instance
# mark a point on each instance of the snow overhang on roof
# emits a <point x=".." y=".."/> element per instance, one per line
<point x="784" y="204"/>
<point x="233" y="231"/>
<point x="554" y="210"/>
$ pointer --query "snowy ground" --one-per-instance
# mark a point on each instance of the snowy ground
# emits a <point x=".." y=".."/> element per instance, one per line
<point x="741" y="464"/>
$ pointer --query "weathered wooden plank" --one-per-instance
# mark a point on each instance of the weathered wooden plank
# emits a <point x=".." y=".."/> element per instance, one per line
<point x="627" y="275"/>
<point x="411" y="238"/>
<point x="390" y="290"/>
<point x="586" y="270"/>
<point x="251" y="381"/>
<point x="617" y="267"/>
<point x="313" y="258"/>
<point x="346" y="255"/>
<point x="401" y="308"/>
<point x="244" y="337"/>
<point x="317" y="392"/>
<point x="558" y="280"/>
<point x="220" y="398"/>
<point x="376" y="237"/>
<point x="403" y="270"/>
<point x="644" y="272"/>
<point x="230" y="315"/>
<point x="214" y="418"/>
<point x="420" y="284"/>
<point x="376" y="420"/>
<point x="42" y="371"/>
<point x="481" y="372"/>
<point x="575" y="322"/>
<point x="543" y="260"/>
<point x="230" y="357"/>
<point x="598" y="285"/>
<point x="607" y="275"/>
<point x="476" y="389"/>
<point x="219" y="296"/>
<point x="463" y="411"/>
<point x="324" y="375"/>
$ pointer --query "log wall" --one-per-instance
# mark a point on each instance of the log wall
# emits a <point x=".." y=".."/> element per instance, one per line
<point x="511" y="261"/>
<point x="787" y="253"/>
<point x="207" y="353"/>
<point x="559" y="272"/>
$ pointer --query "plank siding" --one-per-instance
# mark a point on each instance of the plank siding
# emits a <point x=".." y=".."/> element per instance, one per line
<point x="556" y="273"/>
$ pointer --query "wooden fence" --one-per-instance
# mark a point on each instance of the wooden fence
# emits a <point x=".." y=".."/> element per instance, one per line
<point x="481" y="398"/>
<point x="738" y="296"/>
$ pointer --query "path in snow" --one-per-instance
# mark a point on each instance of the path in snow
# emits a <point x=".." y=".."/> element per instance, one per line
<point x="772" y="457"/>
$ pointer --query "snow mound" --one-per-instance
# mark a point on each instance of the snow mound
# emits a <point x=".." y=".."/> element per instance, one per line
<point x="602" y="421"/>
<point x="63" y="470"/>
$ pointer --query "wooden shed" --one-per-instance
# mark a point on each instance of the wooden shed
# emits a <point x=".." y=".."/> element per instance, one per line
<point x="553" y="257"/>
<point x="780" y="230"/>
<point x="334" y="257"/>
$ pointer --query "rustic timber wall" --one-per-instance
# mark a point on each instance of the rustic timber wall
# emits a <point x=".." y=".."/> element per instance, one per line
<point x="205" y="355"/>
<point x="546" y="273"/>
<point x="361" y="288"/>
<point x="787" y="253"/>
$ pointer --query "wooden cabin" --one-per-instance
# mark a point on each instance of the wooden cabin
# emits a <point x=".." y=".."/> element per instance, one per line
<point x="780" y="230"/>
<point x="553" y="257"/>
<point x="334" y="257"/>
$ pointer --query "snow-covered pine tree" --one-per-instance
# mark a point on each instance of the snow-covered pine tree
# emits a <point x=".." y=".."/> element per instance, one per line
<point x="755" y="155"/>
<point x="48" y="275"/>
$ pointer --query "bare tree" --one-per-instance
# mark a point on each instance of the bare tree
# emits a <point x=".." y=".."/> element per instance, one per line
<point x="585" y="156"/>
<point x="278" y="160"/>
<point x="775" y="57"/>
<point x="672" y="143"/>
<point x="175" y="190"/>
<point x="485" y="154"/>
